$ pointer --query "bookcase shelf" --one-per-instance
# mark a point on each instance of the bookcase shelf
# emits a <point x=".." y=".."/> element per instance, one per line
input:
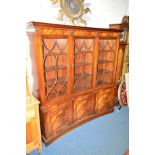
<point x="105" y="61"/>
<point x="52" y="81"/>
<point x="51" y="68"/>
<point x="82" y="64"/>
<point x="55" y="54"/>
<point x="82" y="75"/>
<point x="107" y="50"/>
<point x="104" y="71"/>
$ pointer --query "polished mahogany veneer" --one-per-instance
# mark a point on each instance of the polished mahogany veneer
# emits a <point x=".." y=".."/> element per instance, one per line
<point x="75" y="70"/>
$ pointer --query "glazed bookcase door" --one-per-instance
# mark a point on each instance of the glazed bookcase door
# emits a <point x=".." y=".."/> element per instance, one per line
<point x="55" y="53"/>
<point x="105" y="62"/>
<point x="83" y="63"/>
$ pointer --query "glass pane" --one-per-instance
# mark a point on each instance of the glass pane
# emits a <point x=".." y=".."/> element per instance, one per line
<point x="83" y="56"/>
<point x="55" y="66"/>
<point x="106" y="58"/>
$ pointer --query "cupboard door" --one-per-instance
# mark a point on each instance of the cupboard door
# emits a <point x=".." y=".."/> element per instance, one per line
<point x="83" y="63"/>
<point x="83" y="106"/>
<point x="104" y="100"/>
<point x="55" y="56"/>
<point x="106" y="60"/>
<point x="60" y="116"/>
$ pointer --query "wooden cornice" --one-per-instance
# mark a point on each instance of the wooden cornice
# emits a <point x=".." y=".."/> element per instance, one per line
<point x="34" y="24"/>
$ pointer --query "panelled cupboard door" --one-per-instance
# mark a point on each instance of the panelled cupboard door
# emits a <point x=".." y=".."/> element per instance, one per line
<point x="55" y="63"/>
<point x="83" y="106"/>
<point x="106" y="61"/>
<point x="83" y="63"/>
<point x="58" y="118"/>
<point x="104" y="100"/>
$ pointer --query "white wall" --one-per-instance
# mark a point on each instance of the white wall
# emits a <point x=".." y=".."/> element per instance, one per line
<point x="103" y="13"/>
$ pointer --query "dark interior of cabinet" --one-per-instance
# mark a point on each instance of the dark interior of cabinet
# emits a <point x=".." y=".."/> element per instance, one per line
<point x="55" y="66"/>
<point x="106" y="58"/>
<point x="83" y="63"/>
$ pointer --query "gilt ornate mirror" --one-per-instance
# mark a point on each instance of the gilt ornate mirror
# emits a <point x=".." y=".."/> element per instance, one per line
<point x="73" y="10"/>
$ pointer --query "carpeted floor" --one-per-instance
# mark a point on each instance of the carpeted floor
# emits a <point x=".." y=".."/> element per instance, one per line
<point x="106" y="135"/>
